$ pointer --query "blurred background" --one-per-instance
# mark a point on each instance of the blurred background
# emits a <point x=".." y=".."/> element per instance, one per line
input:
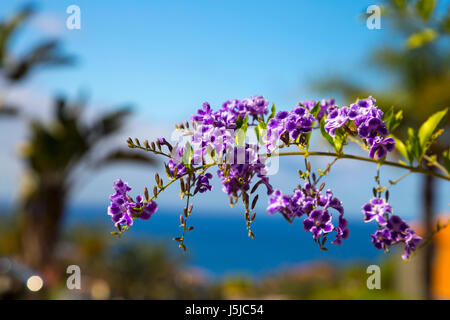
<point x="69" y="99"/>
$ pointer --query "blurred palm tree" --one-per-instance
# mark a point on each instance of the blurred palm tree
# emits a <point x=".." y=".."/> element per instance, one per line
<point x="57" y="151"/>
<point x="55" y="156"/>
<point x="420" y="69"/>
<point x="14" y="68"/>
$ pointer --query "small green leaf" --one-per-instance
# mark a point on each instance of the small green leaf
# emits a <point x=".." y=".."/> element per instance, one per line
<point x="387" y="117"/>
<point x="315" y="111"/>
<point x="401" y="148"/>
<point x="187" y="155"/>
<point x="308" y="138"/>
<point x="260" y="131"/>
<point x="419" y="39"/>
<point x="325" y="134"/>
<point x="446" y="160"/>
<point x="239" y="122"/>
<point x="241" y="132"/>
<point x="413" y="146"/>
<point x="425" y="8"/>
<point x="339" y="139"/>
<point x="429" y="127"/>
<point x="272" y="113"/>
<point x="392" y="119"/>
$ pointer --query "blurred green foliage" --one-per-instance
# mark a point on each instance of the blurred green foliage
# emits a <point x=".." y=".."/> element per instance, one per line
<point x="415" y="67"/>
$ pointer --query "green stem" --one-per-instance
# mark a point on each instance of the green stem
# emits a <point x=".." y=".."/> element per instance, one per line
<point x="436" y="164"/>
<point x="348" y="156"/>
<point x="182" y="245"/>
<point x="393" y="182"/>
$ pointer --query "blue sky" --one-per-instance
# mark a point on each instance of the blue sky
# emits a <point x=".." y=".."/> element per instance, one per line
<point x="167" y="57"/>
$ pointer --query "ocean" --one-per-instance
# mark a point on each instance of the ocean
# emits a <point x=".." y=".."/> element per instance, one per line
<point x="219" y="244"/>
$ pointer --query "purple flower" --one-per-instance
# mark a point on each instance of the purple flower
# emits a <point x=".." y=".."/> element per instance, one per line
<point x="203" y="183"/>
<point x="376" y="209"/>
<point x="398" y="228"/>
<point x="121" y="187"/>
<point x="342" y="231"/>
<point x="226" y="116"/>
<point x="172" y="165"/>
<point x="204" y="115"/>
<point x="258" y="107"/>
<point x="372" y="127"/>
<point x="308" y="200"/>
<point x="393" y="232"/>
<point x="324" y="106"/>
<point x="382" y="239"/>
<point x="123" y="209"/>
<point x="367" y="119"/>
<point x="294" y="123"/>
<point x="411" y="246"/>
<point x="149" y="210"/>
<point x="380" y="146"/>
<point x="279" y="203"/>
<point x="243" y="165"/>
<point x="240" y="177"/>
<point x="281" y="115"/>
<point x="119" y="208"/>
<point x="336" y="119"/>
<point x="318" y="222"/>
<point x="331" y="202"/>
<point x="299" y="122"/>
<point x="309" y="104"/>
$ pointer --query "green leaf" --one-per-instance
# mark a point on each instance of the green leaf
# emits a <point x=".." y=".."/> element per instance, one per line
<point x="315" y="111"/>
<point x="419" y="39"/>
<point x="188" y="154"/>
<point x="392" y="119"/>
<point x="239" y="122"/>
<point x="446" y="160"/>
<point x="425" y="8"/>
<point x="326" y="135"/>
<point x="429" y="127"/>
<point x="339" y="139"/>
<point x="260" y="131"/>
<point x="413" y="146"/>
<point x="401" y="148"/>
<point x="272" y="113"/>
<point x="398" y="118"/>
<point x="387" y="117"/>
<point x="308" y="138"/>
<point x="241" y="132"/>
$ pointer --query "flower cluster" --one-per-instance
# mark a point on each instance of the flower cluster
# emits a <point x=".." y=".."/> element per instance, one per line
<point x="376" y="209"/>
<point x="227" y="115"/>
<point x="392" y="230"/>
<point x="218" y="138"/>
<point x="367" y="119"/>
<point x="237" y="176"/>
<point x="213" y="134"/>
<point x="213" y="131"/>
<point x="286" y="125"/>
<point x="203" y="183"/>
<point x="309" y="201"/>
<point x="123" y="210"/>
<point x="175" y="164"/>
<point x="324" y="105"/>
